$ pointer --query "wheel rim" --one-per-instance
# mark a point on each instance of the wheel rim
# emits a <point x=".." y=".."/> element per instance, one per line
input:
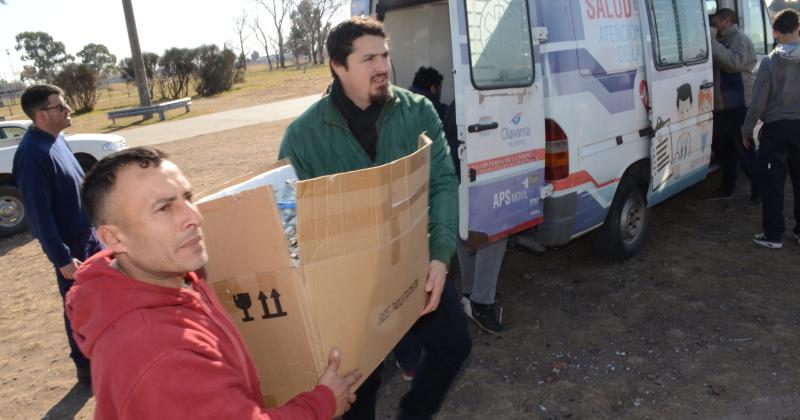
<point x="11" y="211"/>
<point x="632" y="219"/>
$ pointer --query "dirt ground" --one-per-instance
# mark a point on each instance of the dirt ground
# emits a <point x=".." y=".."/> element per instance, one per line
<point x="702" y="324"/>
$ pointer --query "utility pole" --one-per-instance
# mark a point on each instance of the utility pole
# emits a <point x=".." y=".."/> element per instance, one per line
<point x="136" y="56"/>
<point x="10" y="65"/>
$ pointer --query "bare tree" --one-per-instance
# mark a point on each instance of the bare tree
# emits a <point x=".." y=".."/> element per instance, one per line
<point x="262" y="38"/>
<point x="278" y="10"/>
<point x="240" y="22"/>
<point x="326" y="10"/>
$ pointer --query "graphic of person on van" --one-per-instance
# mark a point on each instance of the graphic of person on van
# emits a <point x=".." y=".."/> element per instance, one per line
<point x="705" y="99"/>
<point x="684" y="101"/>
<point x="705" y="104"/>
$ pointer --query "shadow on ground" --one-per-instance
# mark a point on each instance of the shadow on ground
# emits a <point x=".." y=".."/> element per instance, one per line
<point x="12" y="242"/>
<point x="70" y="404"/>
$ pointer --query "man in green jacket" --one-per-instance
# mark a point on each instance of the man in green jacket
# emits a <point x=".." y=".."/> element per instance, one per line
<point x="365" y="122"/>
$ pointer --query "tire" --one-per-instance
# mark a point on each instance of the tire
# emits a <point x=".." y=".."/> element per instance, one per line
<point x="86" y="161"/>
<point x="623" y="233"/>
<point x="12" y="212"/>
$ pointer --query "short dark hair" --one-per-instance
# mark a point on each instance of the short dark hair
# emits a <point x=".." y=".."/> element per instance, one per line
<point x="35" y="98"/>
<point x="426" y="77"/>
<point x="340" y="40"/>
<point x="726" y="13"/>
<point x="785" y="21"/>
<point x="100" y="180"/>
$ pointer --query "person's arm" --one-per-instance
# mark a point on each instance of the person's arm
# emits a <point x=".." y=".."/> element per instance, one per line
<point x="288" y="150"/>
<point x="762" y="88"/>
<point x="187" y="384"/>
<point x="35" y="180"/>
<point x="740" y="57"/>
<point x="443" y="208"/>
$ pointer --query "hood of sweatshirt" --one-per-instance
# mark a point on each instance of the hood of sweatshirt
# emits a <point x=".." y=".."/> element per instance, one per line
<point x="789" y="52"/>
<point x="101" y="295"/>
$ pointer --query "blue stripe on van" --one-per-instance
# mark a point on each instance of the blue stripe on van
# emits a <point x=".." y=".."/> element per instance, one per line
<point x="568" y="70"/>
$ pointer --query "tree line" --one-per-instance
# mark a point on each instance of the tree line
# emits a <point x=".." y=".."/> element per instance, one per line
<point x="281" y="27"/>
<point x="211" y="69"/>
<point x="296" y="28"/>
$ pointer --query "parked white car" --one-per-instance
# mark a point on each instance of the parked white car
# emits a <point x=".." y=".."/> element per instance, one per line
<point x="88" y="149"/>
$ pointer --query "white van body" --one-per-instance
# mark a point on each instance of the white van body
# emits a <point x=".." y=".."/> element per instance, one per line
<point x="628" y="83"/>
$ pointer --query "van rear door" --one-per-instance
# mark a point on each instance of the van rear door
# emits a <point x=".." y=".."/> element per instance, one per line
<point x="679" y="92"/>
<point x="500" y="118"/>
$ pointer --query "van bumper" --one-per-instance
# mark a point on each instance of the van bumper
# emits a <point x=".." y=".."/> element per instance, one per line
<point x="559" y="220"/>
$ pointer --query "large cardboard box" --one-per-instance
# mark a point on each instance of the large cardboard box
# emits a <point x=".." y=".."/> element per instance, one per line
<point x="359" y="285"/>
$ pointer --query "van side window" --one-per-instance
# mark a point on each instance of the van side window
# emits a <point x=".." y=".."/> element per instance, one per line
<point x="753" y="25"/>
<point x="680" y="32"/>
<point x="500" y="47"/>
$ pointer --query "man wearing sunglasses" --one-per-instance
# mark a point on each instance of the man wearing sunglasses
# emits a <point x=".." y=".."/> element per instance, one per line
<point x="49" y="177"/>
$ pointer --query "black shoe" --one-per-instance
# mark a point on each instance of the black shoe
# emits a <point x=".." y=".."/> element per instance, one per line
<point x="84" y="375"/>
<point x="484" y="316"/>
<point x="720" y="195"/>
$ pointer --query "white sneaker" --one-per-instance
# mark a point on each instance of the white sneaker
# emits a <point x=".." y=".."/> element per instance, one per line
<point x="761" y="239"/>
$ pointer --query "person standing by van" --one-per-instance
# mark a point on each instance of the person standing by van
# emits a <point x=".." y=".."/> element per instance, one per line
<point x="365" y="122"/>
<point x="734" y="59"/>
<point x="776" y="102"/>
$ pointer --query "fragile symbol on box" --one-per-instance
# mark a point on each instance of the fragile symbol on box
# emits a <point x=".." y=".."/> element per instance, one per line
<point x="243" y="302"/>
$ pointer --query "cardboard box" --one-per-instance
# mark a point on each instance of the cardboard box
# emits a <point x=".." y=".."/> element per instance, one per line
<point x="359" y="286"/>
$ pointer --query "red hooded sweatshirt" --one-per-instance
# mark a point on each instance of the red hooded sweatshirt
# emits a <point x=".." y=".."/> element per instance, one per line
<point x="165" y="353"/>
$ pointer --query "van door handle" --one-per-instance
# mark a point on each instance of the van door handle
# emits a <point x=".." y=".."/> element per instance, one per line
<point x="707" y="85"/>
<point x="476" y="128"/>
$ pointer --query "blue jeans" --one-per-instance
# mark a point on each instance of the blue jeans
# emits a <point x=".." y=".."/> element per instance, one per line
<point x="480" y="270"/>
<point x="779" y="155"/>
<point x="445" y="338"/>
<point x="408" y="353"/>
<point x="80" y="247"/>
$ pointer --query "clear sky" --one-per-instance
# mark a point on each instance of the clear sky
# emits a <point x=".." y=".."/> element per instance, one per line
<point x="161" y="24"/>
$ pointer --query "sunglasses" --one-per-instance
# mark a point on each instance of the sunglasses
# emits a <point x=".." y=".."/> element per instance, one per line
<point x="60" y="107"/>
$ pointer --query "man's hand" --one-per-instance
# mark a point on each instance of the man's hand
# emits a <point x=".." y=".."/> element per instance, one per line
<point x="68" y="271"/>
<point x="339" y="385"/>
<point x="713" y="32"/>
<point x="748" y="142"/>
<point x="437" y="275"/>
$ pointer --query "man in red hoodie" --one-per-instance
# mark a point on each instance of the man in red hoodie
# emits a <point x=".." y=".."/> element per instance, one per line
<point x="160" y="342"/>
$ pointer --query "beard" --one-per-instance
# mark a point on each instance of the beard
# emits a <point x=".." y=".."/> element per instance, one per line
<point x="381" y="95"/>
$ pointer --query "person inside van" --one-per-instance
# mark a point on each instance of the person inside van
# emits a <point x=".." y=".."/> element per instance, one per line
<point x="776" y="102"/>
<point x="734" y="59"/>
<point x="428" y="83"/>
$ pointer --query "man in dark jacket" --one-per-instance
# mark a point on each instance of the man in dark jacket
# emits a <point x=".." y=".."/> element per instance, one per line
<point x="734" y="59"/>
<point x="366" y="122"/>
<point x="50" y="177"/>
<point x="776" y="102"/>
<point x="428" y="83"/>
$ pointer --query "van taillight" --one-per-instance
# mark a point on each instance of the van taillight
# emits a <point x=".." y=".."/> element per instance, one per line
<point x="556" y="151"/>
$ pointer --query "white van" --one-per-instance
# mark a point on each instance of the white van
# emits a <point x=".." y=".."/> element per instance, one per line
<point x="573" y="115"/>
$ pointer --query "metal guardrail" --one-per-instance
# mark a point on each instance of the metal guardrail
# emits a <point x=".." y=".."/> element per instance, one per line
<point x="152" y="109"/>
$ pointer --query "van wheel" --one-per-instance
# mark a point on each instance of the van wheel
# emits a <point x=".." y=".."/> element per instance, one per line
<point x="623" y="233"/>
<point x="12" y="213"/>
